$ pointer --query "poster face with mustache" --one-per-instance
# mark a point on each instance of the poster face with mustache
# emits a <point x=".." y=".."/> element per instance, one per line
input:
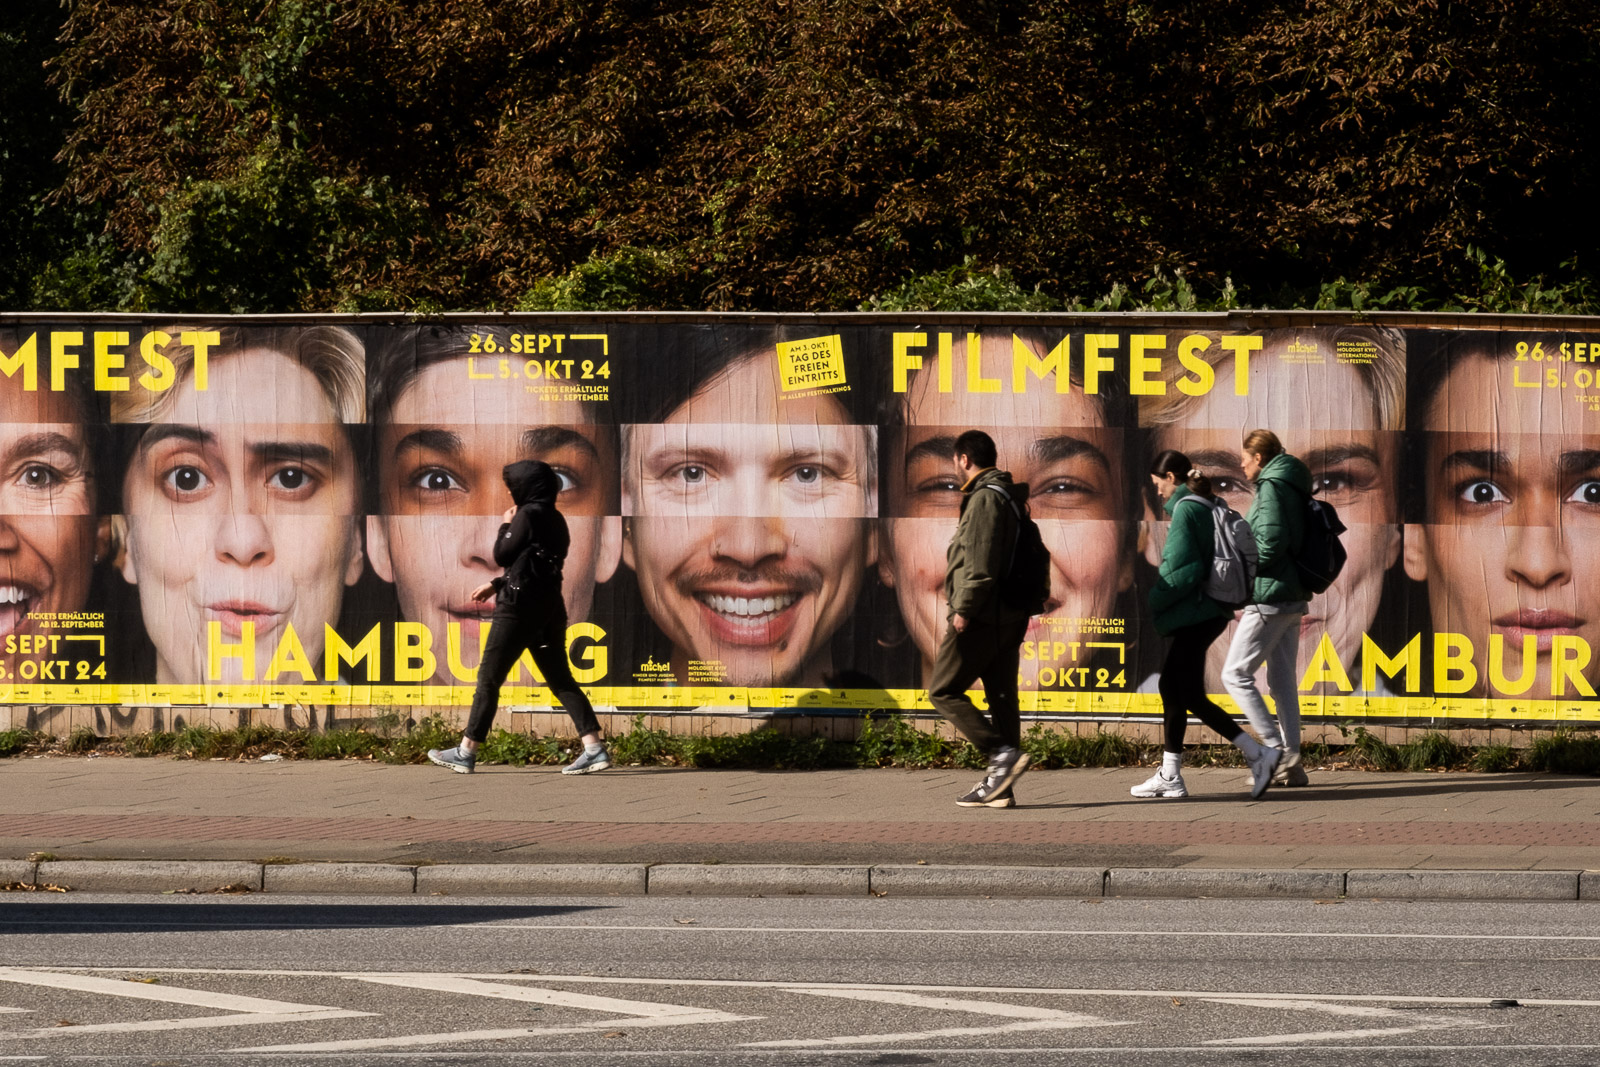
<point x="229" y="512"/>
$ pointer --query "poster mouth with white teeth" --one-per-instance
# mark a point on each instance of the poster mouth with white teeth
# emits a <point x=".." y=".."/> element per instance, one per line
<point x="239" y="512"/>
<point x="14" y="602"/>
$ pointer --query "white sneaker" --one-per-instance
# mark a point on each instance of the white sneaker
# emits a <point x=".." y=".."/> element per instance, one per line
<point x="1290" y="772"/>
<point x="1262" y="769"/>
<point x="1160" y="785"/>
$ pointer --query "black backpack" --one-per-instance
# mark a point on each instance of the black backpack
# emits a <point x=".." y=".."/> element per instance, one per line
<point x="534" y="567"/>
<point x="1322" y="554"/>
<point x="1026" y="585"/>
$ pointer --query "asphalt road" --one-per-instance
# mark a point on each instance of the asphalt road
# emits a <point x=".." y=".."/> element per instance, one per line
<point x="337" y="980"/>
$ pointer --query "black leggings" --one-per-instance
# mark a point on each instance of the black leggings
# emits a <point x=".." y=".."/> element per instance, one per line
<point x="541" y="630"/>
<point x="1183" y="685"/>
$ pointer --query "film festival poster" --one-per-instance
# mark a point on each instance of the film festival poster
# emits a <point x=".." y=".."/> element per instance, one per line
<point x="226" y="512"/>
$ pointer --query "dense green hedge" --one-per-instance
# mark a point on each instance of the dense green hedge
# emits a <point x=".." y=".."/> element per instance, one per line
<point x="289" y="155"/>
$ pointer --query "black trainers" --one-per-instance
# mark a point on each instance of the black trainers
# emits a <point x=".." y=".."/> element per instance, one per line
<point x="1005" y="767"/>
<point x="984" y="795"/>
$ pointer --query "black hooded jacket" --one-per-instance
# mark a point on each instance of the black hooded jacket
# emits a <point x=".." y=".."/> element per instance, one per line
<point x="533" y="545"/>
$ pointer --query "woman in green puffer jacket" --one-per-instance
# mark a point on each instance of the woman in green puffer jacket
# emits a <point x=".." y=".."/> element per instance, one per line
<point x="1193" y="620"/>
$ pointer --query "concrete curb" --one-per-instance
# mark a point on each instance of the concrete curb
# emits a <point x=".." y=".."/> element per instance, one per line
<point x="1193" y="882"/>
<point x="1462" y="885"/>
<point x="755" y="879"/>
<point x="150" y="876"/>
<point x="24" y="871"/>
<point x="339" y="878"/>
<point x="917" y="880"/>
<point x="533" y="879"/>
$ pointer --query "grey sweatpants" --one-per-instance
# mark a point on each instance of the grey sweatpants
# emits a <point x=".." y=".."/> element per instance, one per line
<point x="1274" y="639"/>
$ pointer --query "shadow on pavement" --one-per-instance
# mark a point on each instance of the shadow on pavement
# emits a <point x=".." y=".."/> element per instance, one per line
<point x="86" y="917"/>
<point x="1375" y="789"/>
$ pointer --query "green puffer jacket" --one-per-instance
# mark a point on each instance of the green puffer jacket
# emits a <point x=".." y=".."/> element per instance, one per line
<point x="1278" y="517"/>
<point x="980" y="552"/>
<point x="1178" y="598"/>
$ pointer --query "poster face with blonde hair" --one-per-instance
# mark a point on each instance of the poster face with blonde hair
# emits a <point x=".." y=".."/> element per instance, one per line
<point x="238" y="513"/>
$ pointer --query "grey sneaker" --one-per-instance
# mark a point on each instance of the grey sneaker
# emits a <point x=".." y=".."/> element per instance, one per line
<point x="1290" y="773"/>
<point x="1262" y="768"/>
<point x="984" y="795"/>
<point x="589" y="762"/>
<point x="454" y="758"/>
<point x="1005" y="767"/>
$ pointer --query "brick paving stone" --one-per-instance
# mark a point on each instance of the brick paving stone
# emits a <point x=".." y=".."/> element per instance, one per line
<point x="352" y="811"/>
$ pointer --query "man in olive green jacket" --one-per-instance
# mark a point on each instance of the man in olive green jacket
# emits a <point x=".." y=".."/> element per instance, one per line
<point x="984" y="638"/>
<point x="1269" y="629"/>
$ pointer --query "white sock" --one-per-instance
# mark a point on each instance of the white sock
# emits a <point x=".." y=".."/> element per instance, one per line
<point x="1171" y="764"/>
<point x="598" y="746"/>
<point x="1249" y="746"/>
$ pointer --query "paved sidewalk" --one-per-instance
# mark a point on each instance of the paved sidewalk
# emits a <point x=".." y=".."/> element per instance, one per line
<point x="165" y="809"/>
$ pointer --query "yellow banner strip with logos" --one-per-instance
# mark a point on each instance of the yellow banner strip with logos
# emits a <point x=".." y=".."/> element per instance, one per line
<point x="712" y="700"/>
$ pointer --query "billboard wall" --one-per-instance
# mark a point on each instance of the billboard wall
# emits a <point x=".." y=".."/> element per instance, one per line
<point x="239" y="513"/>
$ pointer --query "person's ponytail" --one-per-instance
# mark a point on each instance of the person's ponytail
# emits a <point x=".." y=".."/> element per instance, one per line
<point x="1175" y="464"/>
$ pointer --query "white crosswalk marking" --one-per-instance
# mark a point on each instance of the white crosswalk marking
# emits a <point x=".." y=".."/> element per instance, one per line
<point x="252" y="1011"/>
<point x="637" y="1014"/>
<point x="1032" y="1018"/>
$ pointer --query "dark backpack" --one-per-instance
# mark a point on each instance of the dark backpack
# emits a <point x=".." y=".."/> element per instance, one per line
<point x="534" y="567"/>
<point x="1026" y="585"/>
<point x="1322" y="554"/>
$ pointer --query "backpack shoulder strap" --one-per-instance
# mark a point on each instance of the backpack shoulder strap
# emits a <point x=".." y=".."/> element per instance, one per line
<point x="1008" y="498"/>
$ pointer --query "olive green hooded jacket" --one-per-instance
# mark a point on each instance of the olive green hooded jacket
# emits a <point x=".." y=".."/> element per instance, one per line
<point x="980" y="552"/>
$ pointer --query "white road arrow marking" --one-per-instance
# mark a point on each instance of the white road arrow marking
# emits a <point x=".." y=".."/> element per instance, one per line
<point x="534" y="995"/>
<point x="1418" y="1023"/>
<point x="254" y="1010"/>
<point x="638" y="1014"/>
<point x="1031" y="1018"/>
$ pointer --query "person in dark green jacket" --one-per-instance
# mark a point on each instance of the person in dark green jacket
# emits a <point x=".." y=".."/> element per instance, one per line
<point x="1269" y="629"/>
<point x="1193" y="620"/>
<point x="983" y="640"/>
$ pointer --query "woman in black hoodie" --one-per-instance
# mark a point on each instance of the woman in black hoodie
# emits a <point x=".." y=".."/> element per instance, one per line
<point x="529" y="614"/>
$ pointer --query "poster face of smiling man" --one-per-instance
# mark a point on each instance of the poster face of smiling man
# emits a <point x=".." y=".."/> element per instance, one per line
<point x="749" y="513"/>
